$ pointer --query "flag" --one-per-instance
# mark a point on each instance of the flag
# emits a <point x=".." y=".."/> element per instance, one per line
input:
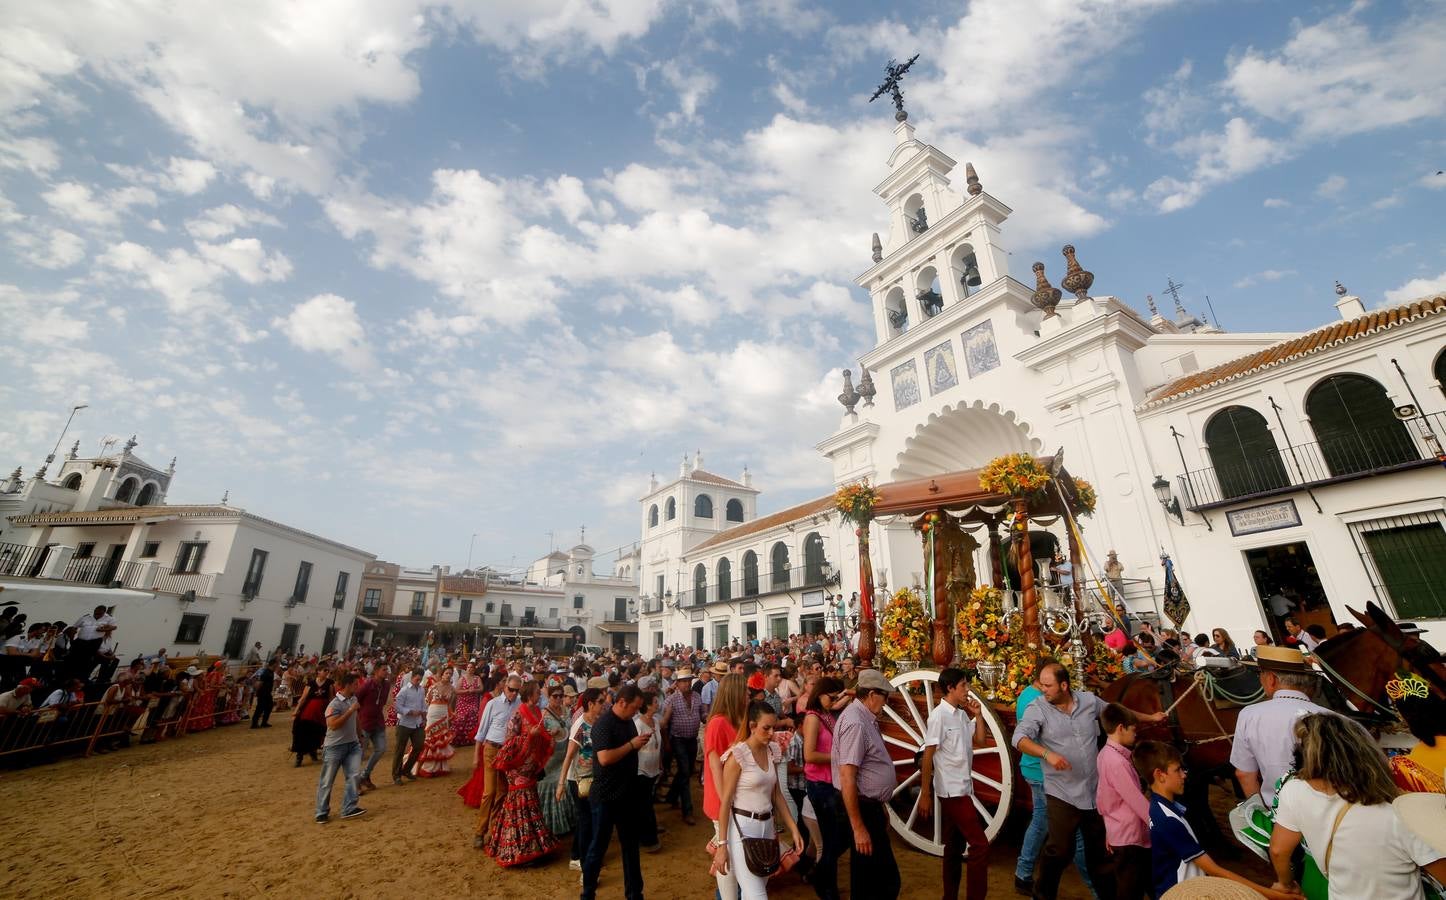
<point x="1177" y="605"/>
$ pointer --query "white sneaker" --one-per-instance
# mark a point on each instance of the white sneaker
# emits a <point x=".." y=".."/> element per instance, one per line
<point x="575" y="865"/>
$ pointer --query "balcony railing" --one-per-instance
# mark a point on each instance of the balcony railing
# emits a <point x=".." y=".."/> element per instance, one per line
<point x="28" y="562"/>
<point x="519" y="620"/>
<point x="651" y="605"/>
<point x="1414" y="443"/>
<point x="22" y="561"/>
<point x="203" y="583"/>
<point x="777" y="581"/>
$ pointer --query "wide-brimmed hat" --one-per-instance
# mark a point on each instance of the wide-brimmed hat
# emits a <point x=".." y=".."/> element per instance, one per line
<point x="683" y="674"/>
<point x="1208" y="887"/>
<point x="598" y="681"/>
<point x="719" y="668"/>
<point x="874" y="680"/>
<point x="1425" y="814"/>
<point x="1279" y="659"/>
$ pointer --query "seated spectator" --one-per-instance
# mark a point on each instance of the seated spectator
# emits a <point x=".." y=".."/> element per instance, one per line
<point x="1135" y="655"/>
<point x="1260" y="639"/>
<point x="1203" y="648"/>
<point x="71" y="695"/>
<point x="1223" y="645"/>
<point x="18" y="700"/>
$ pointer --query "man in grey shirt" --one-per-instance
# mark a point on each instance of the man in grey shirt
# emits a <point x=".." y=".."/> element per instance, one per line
<point x="341" y="750"/>
<point x="1062" y="728"/>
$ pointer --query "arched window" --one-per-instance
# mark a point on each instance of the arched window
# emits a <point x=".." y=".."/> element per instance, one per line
<point x="147" y="495"/>
<point x="670" y="510"/>
<point x="896" y="311"/>
<point x="703" y="507"/>
<point x="700" y="584"/>
<point x="653" y="516"/>
<point x="780" y="565"/>
<point x="725" y="579"/>
<point x="1243" y="453"/>
<point x="72" y="481"/>
<point x="733" y="512"/>
<point x="813" y="559"/>
<point x="750" y="574"/>
<point x="127" y="490"/>
<point x="1353" y="419"/>
<point x="1440" y="372"/>
<point x="926" y="291"/>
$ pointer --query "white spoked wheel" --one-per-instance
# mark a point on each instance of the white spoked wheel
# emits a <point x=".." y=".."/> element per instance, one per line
<point x="906" y="717"/>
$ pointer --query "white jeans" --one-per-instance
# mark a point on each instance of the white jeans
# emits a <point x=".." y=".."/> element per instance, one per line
<point x="751" y="886"/>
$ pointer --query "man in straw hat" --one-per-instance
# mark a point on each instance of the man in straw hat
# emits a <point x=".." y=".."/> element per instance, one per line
<point x="682" y="717"/>
<point x="1264" y="734"/>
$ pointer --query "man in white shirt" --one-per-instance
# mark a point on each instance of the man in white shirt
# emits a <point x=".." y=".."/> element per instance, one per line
<point x="491" y="730"/>
<point x="1264" y="744"/>
<point x="90" y="631"/>
<point x="947" y="770"/>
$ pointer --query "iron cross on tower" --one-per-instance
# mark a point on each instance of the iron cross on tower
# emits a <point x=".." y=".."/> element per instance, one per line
<point x="895" y="71"/>
<point x="1173" y="290"/>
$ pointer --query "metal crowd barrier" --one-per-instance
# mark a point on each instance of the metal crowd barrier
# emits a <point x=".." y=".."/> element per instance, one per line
<point x="41" y="731"/>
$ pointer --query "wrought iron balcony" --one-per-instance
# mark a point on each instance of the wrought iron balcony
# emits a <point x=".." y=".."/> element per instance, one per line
<point x="20" y="561"/>
<point x="1416" y="443"/>
<point x="774" y="582"/>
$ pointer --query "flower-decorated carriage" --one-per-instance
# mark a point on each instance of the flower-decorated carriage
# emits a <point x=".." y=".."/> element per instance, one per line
<point x="995" y="630"/>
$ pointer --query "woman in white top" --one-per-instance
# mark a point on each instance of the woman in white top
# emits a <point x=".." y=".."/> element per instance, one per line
<point x="1339" y="802"/>
<point x="650" y="766"/>
<point x="750" y="795"/>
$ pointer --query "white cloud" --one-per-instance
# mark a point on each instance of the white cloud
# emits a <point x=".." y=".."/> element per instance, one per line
<point x="180" y="176"/>
<point x="1275" y="203"/>
<point x="79" y="202"/>
<point x="1267" y="276"/>
<point x="1435" y="181"/>
<point x="38" y="156"/>
<point x="45" y="320"/>
<point x="1417" y="288"/>
<point x="56" y="248"/>
<point x="1222" y="157"/>
<point x="1332" y="187"/>
<point x="692" y="85"/>
<point x="328" y="324"/>
<point x="247" y="260"/>
<point x="182" y="279"/>
<point x="220" y="221"/>
<point x="1390" y="201"/>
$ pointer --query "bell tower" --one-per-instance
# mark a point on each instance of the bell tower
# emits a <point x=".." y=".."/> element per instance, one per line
<point x="942" y="245"/>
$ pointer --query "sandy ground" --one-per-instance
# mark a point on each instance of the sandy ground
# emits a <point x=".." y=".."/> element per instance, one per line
<point x="225" y="814"/>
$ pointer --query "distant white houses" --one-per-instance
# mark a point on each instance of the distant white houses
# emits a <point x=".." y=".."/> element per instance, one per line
<point x="188" y="578"/>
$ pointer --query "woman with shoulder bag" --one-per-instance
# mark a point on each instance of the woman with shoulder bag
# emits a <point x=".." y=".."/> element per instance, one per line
<point x="747" y="834"/>
<point x="577" y="771"/>
<point x="1340" y="803"/>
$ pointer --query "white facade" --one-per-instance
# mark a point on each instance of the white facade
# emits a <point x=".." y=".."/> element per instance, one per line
<point x="188" y="578"/>
<point x="965" y="372"/>
<point x="597" y="609"/>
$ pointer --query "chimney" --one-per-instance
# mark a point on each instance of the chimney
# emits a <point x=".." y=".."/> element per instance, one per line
<point x="697" y="460"/>
<point x="1349" y="305"/>
<point x="747" y="477"/>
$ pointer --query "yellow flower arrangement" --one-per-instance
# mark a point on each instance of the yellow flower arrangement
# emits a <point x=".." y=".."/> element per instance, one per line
<point x="855" y="502"/>
<point x="984" y="636"/>
<point x="904" y="628"/>
<point x="1085" y="497"/>
<point x="1015" y="474"/>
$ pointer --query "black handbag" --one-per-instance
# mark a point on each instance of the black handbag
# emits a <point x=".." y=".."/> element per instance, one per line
<point x="761" y="854"/>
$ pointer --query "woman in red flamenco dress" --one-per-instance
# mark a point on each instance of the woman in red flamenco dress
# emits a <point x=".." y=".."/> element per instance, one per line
<point x="520" y="835"/>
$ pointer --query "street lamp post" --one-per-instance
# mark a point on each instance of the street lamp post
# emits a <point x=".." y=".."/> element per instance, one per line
<point x="470" y="545"/>
<point x="51" y="458"/>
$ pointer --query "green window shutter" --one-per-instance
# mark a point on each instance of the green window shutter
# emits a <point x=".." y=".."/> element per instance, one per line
<point x="1411" y="560"/>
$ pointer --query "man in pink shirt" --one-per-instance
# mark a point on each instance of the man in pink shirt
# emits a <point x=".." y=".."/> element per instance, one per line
<point x="1123" y="806"/>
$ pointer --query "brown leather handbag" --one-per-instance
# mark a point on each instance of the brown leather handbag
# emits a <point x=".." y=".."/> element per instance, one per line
<point x="761" y="854"/>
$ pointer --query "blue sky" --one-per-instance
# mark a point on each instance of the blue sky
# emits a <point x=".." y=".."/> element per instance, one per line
<point x="401" y="272"/>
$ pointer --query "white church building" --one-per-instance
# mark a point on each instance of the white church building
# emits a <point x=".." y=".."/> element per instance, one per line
<point x="970" y="363"/>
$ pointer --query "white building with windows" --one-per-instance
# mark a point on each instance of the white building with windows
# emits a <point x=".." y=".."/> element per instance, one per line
<point x="970" y="364"/>
<point x="596" y="608"/>
<point x="713" y="570"/>
<point x="185" y="577"/>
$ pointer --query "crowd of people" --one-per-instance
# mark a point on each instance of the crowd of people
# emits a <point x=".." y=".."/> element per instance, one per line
<point x="780" y="742"/>
<point x="784" y="739"/>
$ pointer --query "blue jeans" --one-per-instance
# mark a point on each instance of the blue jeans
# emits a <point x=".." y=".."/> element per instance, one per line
<point x="345" y="757"/>
<point x="1033" y="843"/>
<point x="379" y="746"/>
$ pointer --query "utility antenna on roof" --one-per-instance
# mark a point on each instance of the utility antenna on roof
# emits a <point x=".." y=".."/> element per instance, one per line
<point x="582" y="534"/>
<point x="1213" y="315"/>
<point x="551" y="543"/>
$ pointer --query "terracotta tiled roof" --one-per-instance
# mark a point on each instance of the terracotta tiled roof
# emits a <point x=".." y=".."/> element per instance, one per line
<point x="1325" y="338"/>
<point x="462" y="585"/>
<point x="811" y="508"/>
<point x="710" y="478"/>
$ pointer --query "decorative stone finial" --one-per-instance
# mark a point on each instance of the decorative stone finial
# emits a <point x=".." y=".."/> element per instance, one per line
<point x="16" y="473"/>
<point x="130" y="445"/>
<point x="878" y="248"/>
<point x="1340" y="289"/>
<point x="44" y="467"/>
<point x="225" y="497"/>
<point x="1046" y="295"/>
<point x="75" y="448"/>
<point x="850" y="397"/>
<point x="972" y="178"/>
<point x="171" y="469"/>
<point x="867" y="389"/>
<point x="1076" y="280"/>
<point x="1150" y="302"/>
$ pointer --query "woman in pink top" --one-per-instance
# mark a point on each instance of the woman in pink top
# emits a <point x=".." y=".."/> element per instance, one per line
<point x="824" y="702"/>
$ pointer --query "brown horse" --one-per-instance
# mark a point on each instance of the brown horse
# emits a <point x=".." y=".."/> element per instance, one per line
<point x="1366" y="658"/>
<point x="1197" y="725"/>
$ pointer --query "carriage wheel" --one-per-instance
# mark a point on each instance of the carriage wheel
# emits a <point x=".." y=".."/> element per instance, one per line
<point x="905" y="718"/>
